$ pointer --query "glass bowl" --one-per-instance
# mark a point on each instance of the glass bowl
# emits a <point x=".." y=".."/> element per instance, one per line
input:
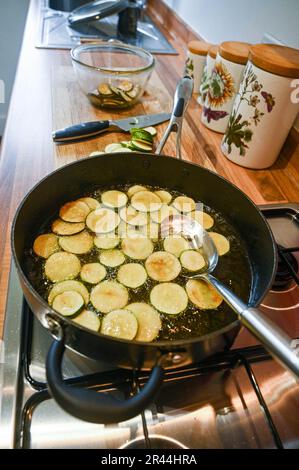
<point x="111" y="74"/>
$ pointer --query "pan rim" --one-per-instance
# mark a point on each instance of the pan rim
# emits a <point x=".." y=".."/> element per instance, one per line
<point x="157" y="344"/>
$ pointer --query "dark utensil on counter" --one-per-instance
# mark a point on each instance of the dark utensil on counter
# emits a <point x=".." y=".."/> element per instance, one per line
<point x="94" y="128"/>
<point x="72" y="180"/>
<point x="273" y="338"/>
<point x="96" y="10"/>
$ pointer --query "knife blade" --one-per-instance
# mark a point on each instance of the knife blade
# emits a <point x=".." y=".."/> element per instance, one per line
<point x="94" y="128"/>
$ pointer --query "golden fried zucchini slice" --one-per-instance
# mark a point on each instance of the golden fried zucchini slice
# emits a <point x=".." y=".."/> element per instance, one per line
<point x="135" y="189"/>
<point x="45" y="245"/>
<point x="184" y="204"/>
<point x="112" y="258"/>
<point x="163" y="213"/>
<point x="137" y="247"/>
<point x="68" y="303"/>
<point x="162" y="266"/>
<point x="203" y="295"/>
<point x="61" y="266"/>
<point x="132" y="275"/>
<point x="64" y="286"/>
<point x="192" y="260"/>
<point x="203" y="219"/>
<point x="221" y="242"/>
<point x="102" y="220"/>
<point x="114" y="199"/>
<point x="91" y="202"/>
<point x="109" y="295"/>
<point x="106" y="241"/>
<point x="78" y="244"/>
<point x="133" y="217"/>
<point x="74" y="211"/>
<point x="60" y="227"/>
<point x="120" y="323"/>
<point x="149" y="322"/>
<point x="175" y="244"/>
<point x="165" y="196"/>
<point x="88" y="319"/>
<point x="146" y="201"/>
<point x="93" y="273"/>
<point x="169" y="298"/>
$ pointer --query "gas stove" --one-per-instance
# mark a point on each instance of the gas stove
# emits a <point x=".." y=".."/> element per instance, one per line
<point x="237" y="399"/>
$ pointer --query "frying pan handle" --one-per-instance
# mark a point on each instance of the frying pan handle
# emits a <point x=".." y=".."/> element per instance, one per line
<point x="275" y="340"/>
<point x="182" y="97"/>
<point x="90" y="405"/>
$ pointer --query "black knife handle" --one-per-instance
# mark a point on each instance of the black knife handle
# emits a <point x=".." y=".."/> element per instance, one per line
<point x="80" y="131"/>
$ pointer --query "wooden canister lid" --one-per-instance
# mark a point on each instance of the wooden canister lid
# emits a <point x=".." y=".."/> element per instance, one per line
<point x="279" y="60"/>
<point x="235" y="51"/>
<point x="213" y="51"/>
<point x="199" y="47"/>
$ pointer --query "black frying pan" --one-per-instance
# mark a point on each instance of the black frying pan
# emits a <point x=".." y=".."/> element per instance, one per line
<point x="75" y="179"/>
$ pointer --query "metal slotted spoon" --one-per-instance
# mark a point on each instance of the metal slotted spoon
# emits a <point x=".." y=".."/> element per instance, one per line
<point x="276" y="341"/>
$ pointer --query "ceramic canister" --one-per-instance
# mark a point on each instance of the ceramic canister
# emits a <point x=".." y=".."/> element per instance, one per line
<point x="205" y="80"/>
<point x="224" y="84"/>
<point x="265" y="107"/>
<point x="196" y="61"/>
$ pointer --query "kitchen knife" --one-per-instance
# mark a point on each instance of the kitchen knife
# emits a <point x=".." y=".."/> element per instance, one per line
<point x="93" y="128"/>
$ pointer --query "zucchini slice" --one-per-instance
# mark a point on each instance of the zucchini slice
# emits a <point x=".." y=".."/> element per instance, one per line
<point x="104" y="89"/>
<point x="93" y="273"/>
<point x="74" y="211"/>
<point x="96" y="153"/>
<point x="142" y="135"/>
<point x="64" y="286"/>
<point x="88" y="319"/>
<point x="112" y="258"/>
<point x="192" y="260"/>
<point x="61" y="266"/>
<point x="221" y="242"/>
<point x="165" y="196"/>
<point x="142" y="146"/>
<point x="102" y="220"/>
<point x="175" y="244"/>
<point x="132" y="275"/>
<point x="151" y="230"/>
<point x="67" y="228"/>
<point x="133" y="217"/>
<point x="151" y="130"/>
<point x="203" y="219"/>
<point x="78" y="244"/>
<point x="149" y="322"/>
<point x="202" y="295"/>
<point x="146" y="201"/>
<point x="162" y="266"/>
<point x="137" y="247"/>
<point x="126" y="85"/>
<point x="163" y="213"/>
<point x="68" y="303"/>
<point x="109" y="295"/>
<point x="45" y="245"/>
<point x="91" y="202"/>
<point x="169" y="298"/>
<point x="184" y="204"/>
<point x="106" y="241"/>
<point x="115" y="147"/>
<point x="135" y="189"/>
<point x="114" y="199"/>
<point x="120" y="324"/>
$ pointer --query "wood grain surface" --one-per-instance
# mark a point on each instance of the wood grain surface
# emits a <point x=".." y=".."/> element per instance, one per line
<point x="46" y="96"/>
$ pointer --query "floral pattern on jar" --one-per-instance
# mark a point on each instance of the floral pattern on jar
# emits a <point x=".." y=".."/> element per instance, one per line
<point x="221" y="89"/>
<point x="239" y="131"/>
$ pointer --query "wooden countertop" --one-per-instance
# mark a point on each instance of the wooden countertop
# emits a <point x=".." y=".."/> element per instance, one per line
<point x="28" y="152"/>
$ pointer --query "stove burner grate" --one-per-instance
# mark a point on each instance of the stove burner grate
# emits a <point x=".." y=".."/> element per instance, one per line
<point x="287" y="269"/>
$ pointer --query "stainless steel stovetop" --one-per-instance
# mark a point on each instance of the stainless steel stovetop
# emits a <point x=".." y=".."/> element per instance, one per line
<point x="54" y="32"/>
<point x="237" y="399"/>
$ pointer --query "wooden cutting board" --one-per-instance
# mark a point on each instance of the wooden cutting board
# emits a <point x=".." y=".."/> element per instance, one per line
<point x="71" y="106"/>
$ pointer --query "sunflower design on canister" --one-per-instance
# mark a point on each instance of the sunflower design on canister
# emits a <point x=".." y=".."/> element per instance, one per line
<point x="221" y="87"/>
